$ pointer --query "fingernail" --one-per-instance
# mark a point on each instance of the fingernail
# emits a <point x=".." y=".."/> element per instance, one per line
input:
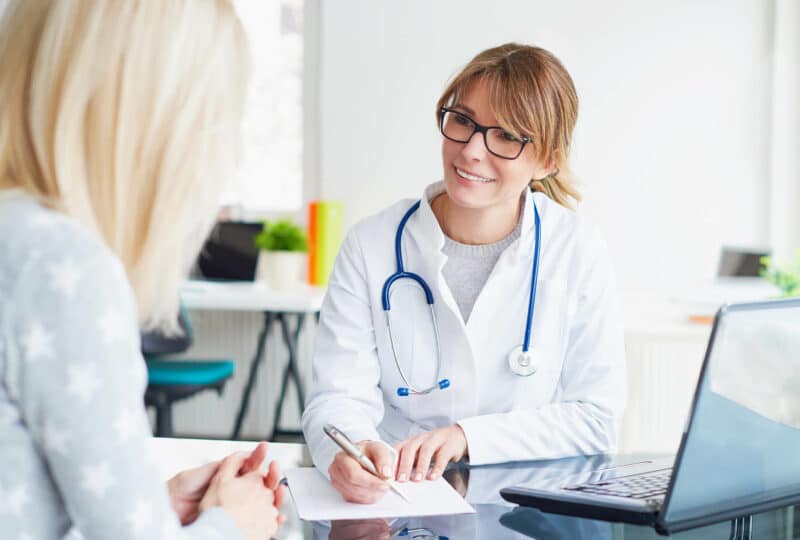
<point x="386" y="470"/>
<point x="434" y="475"/>
<point x="418" y="476"/>
<point x="402" y="477"/>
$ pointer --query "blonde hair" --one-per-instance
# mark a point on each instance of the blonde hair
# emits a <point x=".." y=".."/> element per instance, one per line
<point x="125" y="115"/>
<point x="531" y="94"/>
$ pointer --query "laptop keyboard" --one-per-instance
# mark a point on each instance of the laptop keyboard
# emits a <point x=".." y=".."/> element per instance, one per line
<point x="639" y="486"/>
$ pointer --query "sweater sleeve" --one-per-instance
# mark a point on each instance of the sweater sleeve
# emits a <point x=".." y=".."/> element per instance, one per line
<point x="77" y="375"/>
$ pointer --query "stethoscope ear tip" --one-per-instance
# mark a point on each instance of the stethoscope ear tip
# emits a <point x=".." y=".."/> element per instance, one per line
<point x="444" y="383"/>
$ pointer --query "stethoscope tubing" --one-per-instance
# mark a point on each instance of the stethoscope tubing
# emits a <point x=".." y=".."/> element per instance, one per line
<point x="402" y="274"/>
<point x="534" y="280"/>
<point x="409" y="388"/>
<point x="386" y="303"/>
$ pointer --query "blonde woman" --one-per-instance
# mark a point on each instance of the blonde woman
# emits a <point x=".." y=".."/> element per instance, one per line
<point x="118" y="122"/>
<point x="478" y="322"/>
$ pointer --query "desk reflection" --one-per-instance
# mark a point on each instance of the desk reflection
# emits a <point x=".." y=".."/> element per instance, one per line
<point x="494" y="517"/>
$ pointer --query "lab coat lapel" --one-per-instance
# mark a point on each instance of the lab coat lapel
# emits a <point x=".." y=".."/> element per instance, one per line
<point x="431" y="242"/>
<point x="506" y="292"/>
<point x="458" y="363"/>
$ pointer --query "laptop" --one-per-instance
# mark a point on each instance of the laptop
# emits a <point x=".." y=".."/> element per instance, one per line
<point x="740" y="449"/>
<point x="229" y="252"/>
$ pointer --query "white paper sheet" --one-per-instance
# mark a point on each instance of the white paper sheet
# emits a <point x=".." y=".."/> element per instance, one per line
<point x="315" y="499"/>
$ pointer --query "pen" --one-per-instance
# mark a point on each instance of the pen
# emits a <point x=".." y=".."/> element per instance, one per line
<point x="353" y="451"/>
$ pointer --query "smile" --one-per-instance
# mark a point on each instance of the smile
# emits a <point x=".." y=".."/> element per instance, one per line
<point x="472" y="177"/>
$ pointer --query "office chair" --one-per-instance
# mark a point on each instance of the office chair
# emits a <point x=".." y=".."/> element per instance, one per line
<point x="169" y="381"/>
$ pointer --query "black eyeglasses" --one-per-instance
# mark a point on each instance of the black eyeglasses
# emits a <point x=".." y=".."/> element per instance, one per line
<point x="459" y="127"/>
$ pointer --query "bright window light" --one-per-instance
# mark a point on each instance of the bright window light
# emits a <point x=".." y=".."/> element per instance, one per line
<point x="271" y="172"/>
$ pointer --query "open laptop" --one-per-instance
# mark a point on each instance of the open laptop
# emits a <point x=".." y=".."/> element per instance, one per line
<point x="740" y="450"/>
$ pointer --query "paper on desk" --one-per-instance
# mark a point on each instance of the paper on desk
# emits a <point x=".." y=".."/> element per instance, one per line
<point x="315" y="499"/>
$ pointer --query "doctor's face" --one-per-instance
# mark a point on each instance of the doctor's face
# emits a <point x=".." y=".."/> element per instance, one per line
<point x="476" y="178"/>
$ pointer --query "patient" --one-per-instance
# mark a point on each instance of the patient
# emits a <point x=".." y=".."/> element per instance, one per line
<point x="118" y="122"/>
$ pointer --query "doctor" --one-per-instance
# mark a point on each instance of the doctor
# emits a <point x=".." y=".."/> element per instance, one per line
<point x="480" y="321"/>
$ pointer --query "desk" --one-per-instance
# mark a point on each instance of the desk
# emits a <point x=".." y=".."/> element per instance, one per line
<point x="276" y="306"/>
<point x="495" y="519"/>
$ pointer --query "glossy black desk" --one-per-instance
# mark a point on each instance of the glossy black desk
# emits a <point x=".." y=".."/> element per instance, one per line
<point x="496" y="519"/>
<point x="500" y="522"/>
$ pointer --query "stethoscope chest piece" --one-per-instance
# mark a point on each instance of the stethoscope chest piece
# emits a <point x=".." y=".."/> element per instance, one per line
<point x="522" y="363"/>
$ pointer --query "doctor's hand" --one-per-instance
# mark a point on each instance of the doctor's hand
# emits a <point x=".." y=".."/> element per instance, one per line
<point x="354" y="483"/>
<point x="437" y="448"/>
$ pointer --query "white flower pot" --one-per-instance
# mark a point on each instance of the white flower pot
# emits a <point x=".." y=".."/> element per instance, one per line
<point x="280" y="270"/>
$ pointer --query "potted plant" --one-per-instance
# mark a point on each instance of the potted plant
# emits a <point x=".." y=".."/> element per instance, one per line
<point x="282" y="250"/>
<point x="787" y="279"/>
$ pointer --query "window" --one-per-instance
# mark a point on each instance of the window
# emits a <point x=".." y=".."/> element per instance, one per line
<point x="271" y="172"/>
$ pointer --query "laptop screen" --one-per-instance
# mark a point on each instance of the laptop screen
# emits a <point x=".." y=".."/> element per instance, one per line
<point x="742" y="447"/>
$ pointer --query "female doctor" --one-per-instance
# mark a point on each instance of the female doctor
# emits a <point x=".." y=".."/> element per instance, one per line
<point x="478" y="322"/>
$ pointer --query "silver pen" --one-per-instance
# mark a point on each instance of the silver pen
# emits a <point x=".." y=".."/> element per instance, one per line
<point x="354" y="452"/>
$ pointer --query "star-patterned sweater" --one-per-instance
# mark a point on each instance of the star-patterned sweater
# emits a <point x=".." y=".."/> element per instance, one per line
<point x="73" y="428"/>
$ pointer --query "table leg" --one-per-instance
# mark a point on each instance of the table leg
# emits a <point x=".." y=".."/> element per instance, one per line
<point x="251" y="379"/>
<point x="291" y="373"/>
<point x="742" y="528"/>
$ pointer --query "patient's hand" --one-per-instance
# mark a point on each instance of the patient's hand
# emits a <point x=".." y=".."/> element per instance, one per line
<point x="187" y="488"/>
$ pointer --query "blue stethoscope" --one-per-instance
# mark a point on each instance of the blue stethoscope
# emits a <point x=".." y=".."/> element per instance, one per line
<point x="520" y="359"/>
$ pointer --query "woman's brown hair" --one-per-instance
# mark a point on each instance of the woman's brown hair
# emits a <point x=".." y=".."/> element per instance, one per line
<point x="530" y="94"/>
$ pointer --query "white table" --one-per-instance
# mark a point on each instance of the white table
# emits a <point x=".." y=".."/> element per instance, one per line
<point x="276" y="306"/>
<point x="175" y="455"/>
<point x="250" y="296"/>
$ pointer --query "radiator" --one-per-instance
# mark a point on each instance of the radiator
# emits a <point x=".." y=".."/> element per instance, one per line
<point x="662" y="377"/>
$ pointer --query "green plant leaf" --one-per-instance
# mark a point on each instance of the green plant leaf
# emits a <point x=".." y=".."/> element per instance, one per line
<point x="787" y="279"/>
<point x="281" y="235"/>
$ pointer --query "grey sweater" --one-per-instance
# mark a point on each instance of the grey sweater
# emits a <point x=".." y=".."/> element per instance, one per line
<point x="468" y="267"/>
<point x="73" y="429"/>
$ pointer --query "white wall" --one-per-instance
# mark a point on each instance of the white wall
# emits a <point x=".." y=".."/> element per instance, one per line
<point x="672" y="143"/>
<point x="785" y="163"/>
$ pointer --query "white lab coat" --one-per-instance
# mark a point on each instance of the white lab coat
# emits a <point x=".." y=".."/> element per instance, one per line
<point x="572" y="405"/>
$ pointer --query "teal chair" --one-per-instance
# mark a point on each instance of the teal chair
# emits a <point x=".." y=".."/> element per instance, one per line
<point x="169" y="381"/>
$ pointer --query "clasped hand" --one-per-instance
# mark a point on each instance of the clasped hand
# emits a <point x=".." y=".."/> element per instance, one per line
<point x="423" y="456"/>
<point x="234" y="483"/>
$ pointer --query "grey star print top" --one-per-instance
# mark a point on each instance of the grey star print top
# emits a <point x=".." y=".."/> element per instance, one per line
<point x="72" y="420"/>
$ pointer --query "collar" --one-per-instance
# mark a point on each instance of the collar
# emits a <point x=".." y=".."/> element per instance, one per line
<point x="433" y="237"/>
<point x="523" y="249"/>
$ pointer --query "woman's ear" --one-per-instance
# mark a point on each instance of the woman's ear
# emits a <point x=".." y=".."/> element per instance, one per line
<point x="552" y="163"/>
<point x="546" y="172"/>
<point x="548" y="169"/>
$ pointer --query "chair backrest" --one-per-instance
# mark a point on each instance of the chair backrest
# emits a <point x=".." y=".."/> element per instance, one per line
<point x="157" y="344"/>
